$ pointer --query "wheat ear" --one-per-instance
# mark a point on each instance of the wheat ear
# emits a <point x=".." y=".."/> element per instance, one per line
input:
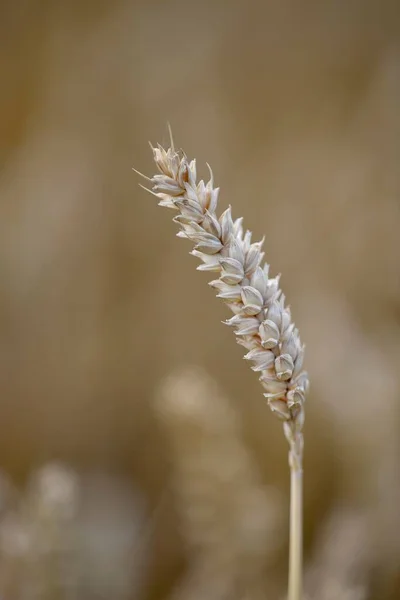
<point x="262" y="323"/>
<point x="230" y="521"/>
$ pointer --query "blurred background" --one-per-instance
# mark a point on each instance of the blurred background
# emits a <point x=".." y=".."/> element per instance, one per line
<point x="138" y="459"/>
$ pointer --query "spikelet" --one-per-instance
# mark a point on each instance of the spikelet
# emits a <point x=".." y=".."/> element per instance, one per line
<point x="230" y="522"/>
<point x="261" y="321"/>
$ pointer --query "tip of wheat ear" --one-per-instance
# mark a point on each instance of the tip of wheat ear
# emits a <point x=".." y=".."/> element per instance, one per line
<point x="261" y="321"/>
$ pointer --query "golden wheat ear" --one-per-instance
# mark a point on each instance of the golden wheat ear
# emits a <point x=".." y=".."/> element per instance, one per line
<point x="217" y="491"/>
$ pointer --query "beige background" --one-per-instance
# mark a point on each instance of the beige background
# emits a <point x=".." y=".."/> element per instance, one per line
<point x="296" y="107"/>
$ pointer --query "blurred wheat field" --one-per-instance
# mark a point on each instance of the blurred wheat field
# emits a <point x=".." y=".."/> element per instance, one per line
<point x="295" y="105"/>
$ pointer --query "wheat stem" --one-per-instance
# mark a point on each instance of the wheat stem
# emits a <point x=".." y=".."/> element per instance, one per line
<point x="296" y="533"/>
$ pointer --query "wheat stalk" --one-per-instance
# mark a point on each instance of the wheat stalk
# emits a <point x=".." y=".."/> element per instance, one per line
<point x="261" y="321"/>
